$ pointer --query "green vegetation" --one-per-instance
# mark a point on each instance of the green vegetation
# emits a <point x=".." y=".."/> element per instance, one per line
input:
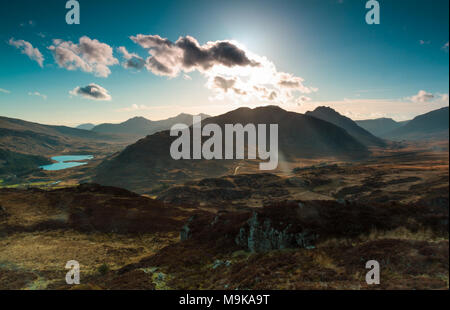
<point x="103" y="269"/>
<point x="17" y="163"/>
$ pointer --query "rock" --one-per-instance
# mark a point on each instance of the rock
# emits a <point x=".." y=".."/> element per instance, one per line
<point x="263" y="237"/>
<point x="218" y="263"/>
<point x="3" y="212"/>
<point x="186" y="232"/>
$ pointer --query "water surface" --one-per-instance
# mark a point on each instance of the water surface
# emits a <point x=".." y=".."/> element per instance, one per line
<point x="67" y="161"/>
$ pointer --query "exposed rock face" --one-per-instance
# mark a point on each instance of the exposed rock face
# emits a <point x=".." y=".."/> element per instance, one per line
<point x="263" y="237"/>
<point x="3" y="212"/>
<point x="186" y="232"/>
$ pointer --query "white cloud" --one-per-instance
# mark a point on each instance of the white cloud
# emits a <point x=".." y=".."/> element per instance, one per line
<point x="5" y="91"/>
<point x="88" y="55"/>
<point x="28" y="49"/>
<point x="423" y="42"/>
<point x="38" y="94"/>
<point x="422" y="96"/>
<point x="134" y="107"/>
<point x="132" y="60"/>
<point x="302" y="99"/>
<point x="92" y="91"/>
<point x="445" y="47"/>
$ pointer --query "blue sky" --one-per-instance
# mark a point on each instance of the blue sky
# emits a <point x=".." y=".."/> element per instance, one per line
<point x="307" y="53"/>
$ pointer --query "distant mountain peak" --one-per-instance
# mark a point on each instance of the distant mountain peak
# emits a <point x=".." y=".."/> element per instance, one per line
<point x="330" y="115"/>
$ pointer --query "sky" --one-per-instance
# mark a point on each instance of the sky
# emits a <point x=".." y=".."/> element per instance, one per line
<point x="160" y="58"/>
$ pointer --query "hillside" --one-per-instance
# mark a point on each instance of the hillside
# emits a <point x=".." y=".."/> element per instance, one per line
<point x="360" y="134"/>
<point x="16" y="163"/>
<point x="148" y="161"/>
<point x="32" y="138"/>
<point x="431" y="125"/>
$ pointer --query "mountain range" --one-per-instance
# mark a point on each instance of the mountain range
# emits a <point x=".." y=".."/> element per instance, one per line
<point x="86" y="126"/>
<point x="141" y="127"/>
<point x="380" y="126"/>
<point x="148" y="161"/>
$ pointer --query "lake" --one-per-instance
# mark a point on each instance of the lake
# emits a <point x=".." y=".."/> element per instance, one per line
<point x="67" y="161"/>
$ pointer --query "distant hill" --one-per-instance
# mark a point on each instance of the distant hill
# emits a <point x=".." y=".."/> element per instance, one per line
<point x="380" y="126"/>
<point x="362" y="135"/>
<point x="148" y="161"/>
<point x="32" y="138"/>
<point x="141" y="127"/>
<point x="87" y="126"/>
<point x="431" y="125"/>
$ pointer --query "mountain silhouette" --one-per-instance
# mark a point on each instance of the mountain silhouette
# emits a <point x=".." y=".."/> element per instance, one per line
<point x="380" y="126"/>
<point x="149" y="160"/>
<point x="86" y="126"/>
<point x="141" y="127"/>
<point x="362" y="135"/>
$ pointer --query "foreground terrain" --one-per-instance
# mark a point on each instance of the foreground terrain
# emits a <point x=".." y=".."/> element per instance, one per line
<point x="310" y="227"/>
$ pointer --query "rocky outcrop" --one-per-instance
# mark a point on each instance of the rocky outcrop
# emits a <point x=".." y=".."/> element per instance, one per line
<point x="3" y="212"/>
<point x="261" y="236"/>
<point x="186" y="231"/>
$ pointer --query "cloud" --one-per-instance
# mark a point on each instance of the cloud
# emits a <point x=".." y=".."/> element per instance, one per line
<point x="231" y="70"/>
<point x="303" y="99"/>
<point x="28" y="49"/>
<point x="445" y="47"/>
<point x="168" y="58"/>
<point x="443" y="98"/>
<point x="134" y="107"/>
<point x="5" y="91"/>
<point x="132" y="60"/>
<point x="38" y="94"/>
<point x="422" y="42"/>
<point x="88" y="55"/>
<point x="223" y="83"/>
<point x="92" y="91"/>
<point x="422" y="96"/>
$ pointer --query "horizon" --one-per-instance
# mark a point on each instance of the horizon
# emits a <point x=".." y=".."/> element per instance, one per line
<point x="74" y="125"/>
<point x="55" y="73"/>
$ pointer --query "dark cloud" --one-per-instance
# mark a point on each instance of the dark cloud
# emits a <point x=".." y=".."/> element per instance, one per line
<point x="92" y="91"/>
<point x="217" y="53"/>
<point x="224" y="83"/>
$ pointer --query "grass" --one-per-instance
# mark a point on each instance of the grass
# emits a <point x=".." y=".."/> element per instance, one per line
<point x="42" y="184"/>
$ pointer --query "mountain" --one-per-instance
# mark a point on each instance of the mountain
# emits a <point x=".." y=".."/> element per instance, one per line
<point x="87" y="126"/>
<point x="141" y="127"/>
<point x="145" y="163"/>
<point x="431" y="125"/>
<point x="16" y="163"/>
<point x="380" y="126"/>
<point x="32" y="138"/>
<point x="362" y="135"/>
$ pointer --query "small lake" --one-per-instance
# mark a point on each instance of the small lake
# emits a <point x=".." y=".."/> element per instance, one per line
<point x="67" y="161"/>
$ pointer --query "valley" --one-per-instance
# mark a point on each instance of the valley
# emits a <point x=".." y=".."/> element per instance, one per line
<point x="136" y="219"/>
